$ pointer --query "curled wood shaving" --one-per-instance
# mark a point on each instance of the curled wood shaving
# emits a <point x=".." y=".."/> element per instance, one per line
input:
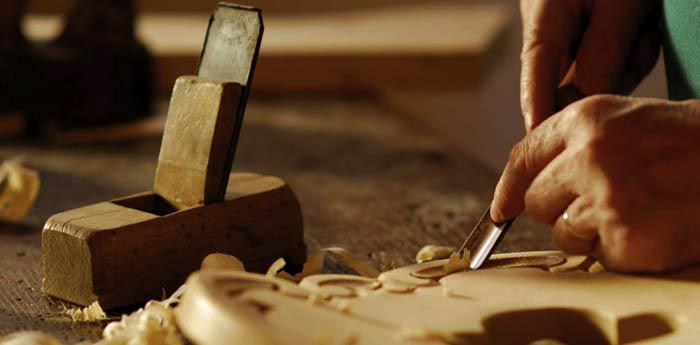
<point x="91" y="313"/>
<point x="222" y="262"/>
<point x="153" y="324"/>
<point x="276" y="267"/>
<point x="433" y="252"/>
<point x="19" y="187"/>
<point x="313" y="265"/>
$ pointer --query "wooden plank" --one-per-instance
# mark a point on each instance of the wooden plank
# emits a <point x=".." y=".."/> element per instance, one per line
<point x="437" y="44"/>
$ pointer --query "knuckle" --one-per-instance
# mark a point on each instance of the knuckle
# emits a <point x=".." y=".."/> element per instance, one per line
<point x="518" y="156"/>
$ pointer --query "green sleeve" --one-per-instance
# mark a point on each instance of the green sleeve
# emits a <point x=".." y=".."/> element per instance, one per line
<point x="681" y="45"/>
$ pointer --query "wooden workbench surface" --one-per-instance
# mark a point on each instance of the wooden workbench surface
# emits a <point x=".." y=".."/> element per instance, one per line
<point x="368" y="181"/>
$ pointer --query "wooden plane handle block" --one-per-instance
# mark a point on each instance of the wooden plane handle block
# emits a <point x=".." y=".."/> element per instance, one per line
<point x="127" y="250"/>
<point x="192" y="165"/>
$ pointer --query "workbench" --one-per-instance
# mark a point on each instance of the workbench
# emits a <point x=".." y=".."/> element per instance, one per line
<point x="368" y="179"/>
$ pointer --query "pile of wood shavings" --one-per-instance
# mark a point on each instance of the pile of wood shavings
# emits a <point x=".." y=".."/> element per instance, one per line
<point x="153" y="324"/>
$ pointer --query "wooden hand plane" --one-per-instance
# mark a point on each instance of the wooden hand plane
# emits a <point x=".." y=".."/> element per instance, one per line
<point x="124" y="251"/>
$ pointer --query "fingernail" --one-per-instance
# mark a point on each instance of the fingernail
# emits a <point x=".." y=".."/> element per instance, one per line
<point x="496" y="215"/>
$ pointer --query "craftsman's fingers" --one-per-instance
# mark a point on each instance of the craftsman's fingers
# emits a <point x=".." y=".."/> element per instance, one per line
<point x="527" y="159"/>
<point x="549" y="28"/>
<point x="575" y="230"/>
<point x="606" y="47"/>
<point x="554" y="188"/>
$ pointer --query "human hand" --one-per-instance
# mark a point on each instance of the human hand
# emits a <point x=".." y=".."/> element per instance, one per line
<point x="609" y="46"/>
<point x="625" y="172"/>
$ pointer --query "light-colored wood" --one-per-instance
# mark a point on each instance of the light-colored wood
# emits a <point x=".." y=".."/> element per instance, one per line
<point x="19" y="187"/>
<point x="196" y="141"/>
<point x="433" y="44"/>
<point x="520" y="298"/>
<point x="128" y="250"/>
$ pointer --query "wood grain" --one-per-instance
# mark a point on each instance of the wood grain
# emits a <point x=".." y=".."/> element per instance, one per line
<point x="192" y="162"/>
<point x="519" y="298"/>
<point x="127" y="251"/>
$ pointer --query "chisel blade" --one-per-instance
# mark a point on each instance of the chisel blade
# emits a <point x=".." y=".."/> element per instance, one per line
<point x="483" y="239"/>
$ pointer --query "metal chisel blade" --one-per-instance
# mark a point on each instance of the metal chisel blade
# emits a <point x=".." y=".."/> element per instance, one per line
<point x="483" y="239"/>
<point x="230" y="54"/>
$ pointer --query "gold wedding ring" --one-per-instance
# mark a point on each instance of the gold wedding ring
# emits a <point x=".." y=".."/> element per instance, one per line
<point x="566" y="219"/>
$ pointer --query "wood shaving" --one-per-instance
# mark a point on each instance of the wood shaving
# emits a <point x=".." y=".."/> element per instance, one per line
<point x="91" y="313"/>
<point x="597" y="267"/>
<point x="19" y="187"/>
<point x="222" y="262"/>
<point x="433" y="252"/>
<point x="276" y="267"/>
<point x="456" y="263"/>
<point x="314" y="265"/>
<point x="153" y="324"/>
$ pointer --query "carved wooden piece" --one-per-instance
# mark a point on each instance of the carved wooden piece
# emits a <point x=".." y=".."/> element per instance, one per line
<point x="126" y="250"/>
<point x="192" y="161"/>
<point x="520" y="298"/>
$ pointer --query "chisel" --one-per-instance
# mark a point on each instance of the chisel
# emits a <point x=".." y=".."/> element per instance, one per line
<point x="483" y="239"/>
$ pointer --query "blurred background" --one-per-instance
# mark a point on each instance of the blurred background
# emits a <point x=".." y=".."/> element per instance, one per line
<point x="451" y="65"/>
